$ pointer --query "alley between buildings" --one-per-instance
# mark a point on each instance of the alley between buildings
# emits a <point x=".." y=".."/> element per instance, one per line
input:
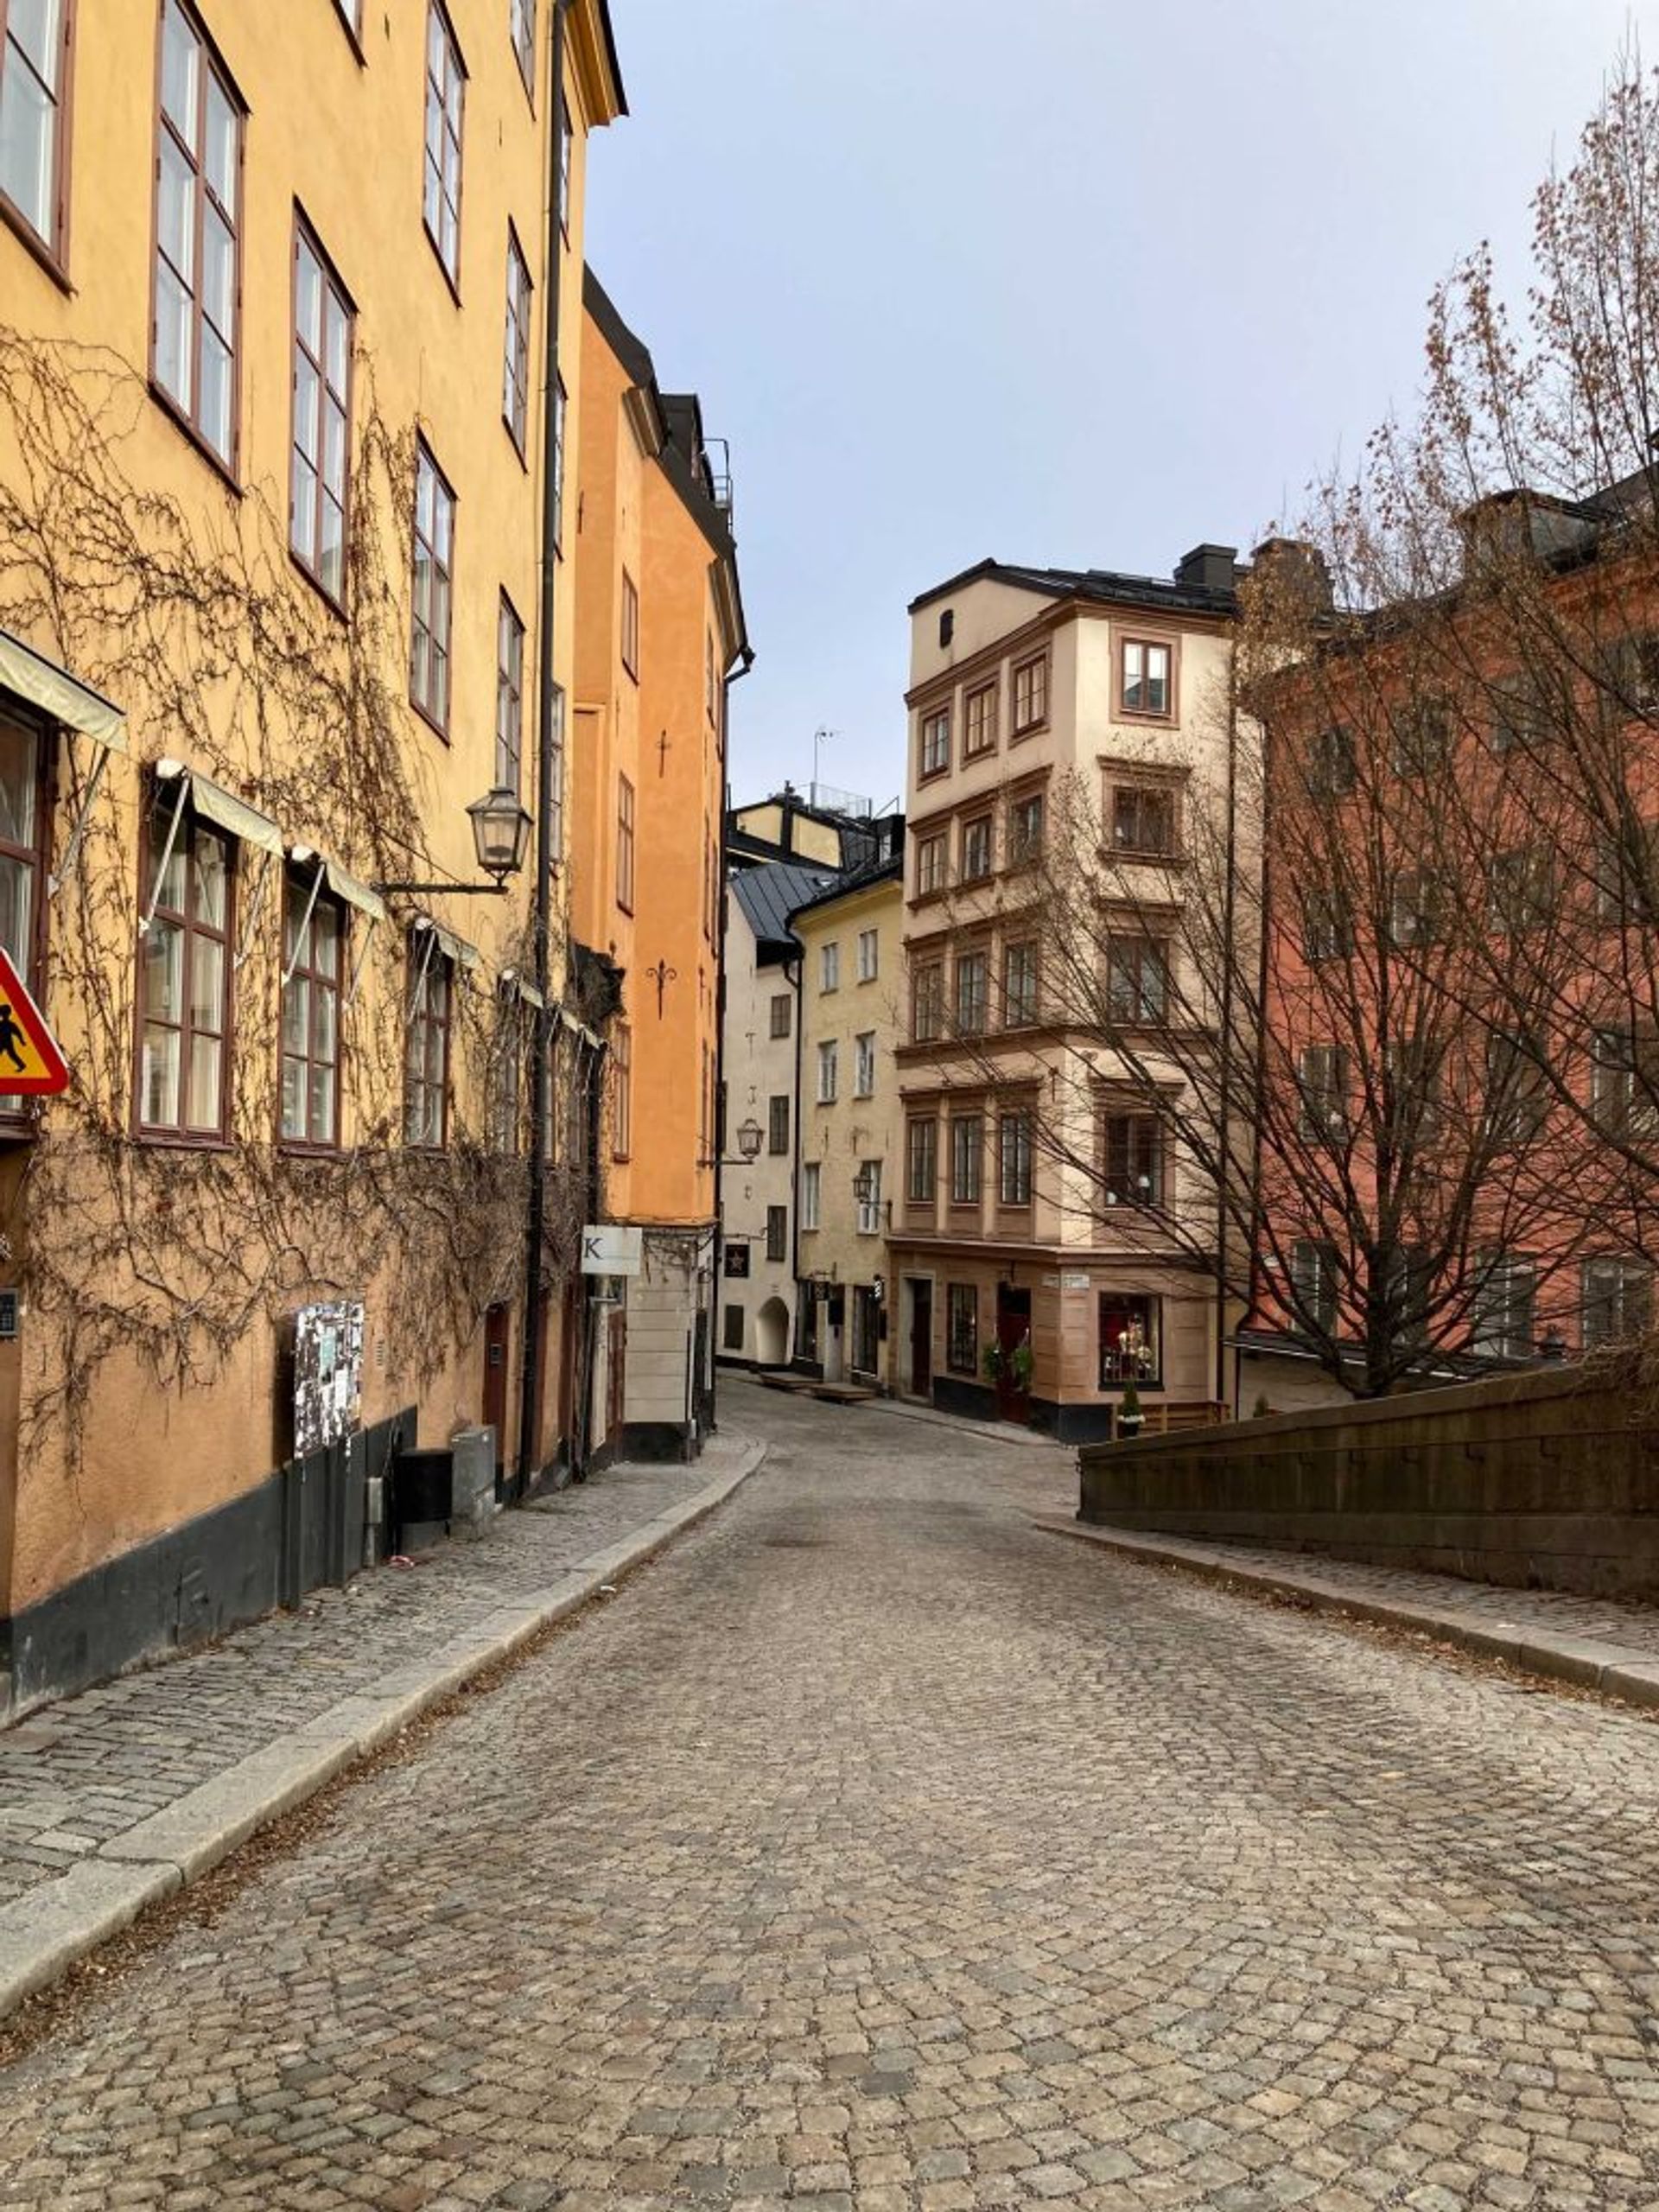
<point x="876" y="1849"/>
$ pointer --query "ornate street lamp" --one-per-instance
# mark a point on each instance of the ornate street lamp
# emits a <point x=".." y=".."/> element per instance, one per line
<point x="500" y="839"/>
<point x="749" y="1138"/>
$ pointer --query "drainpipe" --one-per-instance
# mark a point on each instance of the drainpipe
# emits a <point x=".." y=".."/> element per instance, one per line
<point x="1229" y="921"/>
<point x="549" y="706"/>
<point x="720" y="1116"/>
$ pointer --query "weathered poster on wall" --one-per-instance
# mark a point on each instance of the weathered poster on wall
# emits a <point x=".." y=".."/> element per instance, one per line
<point x="327" y="1373"/>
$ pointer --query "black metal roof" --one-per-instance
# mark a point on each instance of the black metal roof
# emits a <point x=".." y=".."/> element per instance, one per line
<point x="770" y="894"/>
<point x="1106" y="585"/>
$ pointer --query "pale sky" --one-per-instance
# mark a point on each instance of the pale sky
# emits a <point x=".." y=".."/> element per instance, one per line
<point x="1076" y="282"/>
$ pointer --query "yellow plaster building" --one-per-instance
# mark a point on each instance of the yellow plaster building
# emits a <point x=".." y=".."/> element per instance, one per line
<point x="275" y="465"/>
<point x="851" y="1117"/>
<point x="659" y="635"/>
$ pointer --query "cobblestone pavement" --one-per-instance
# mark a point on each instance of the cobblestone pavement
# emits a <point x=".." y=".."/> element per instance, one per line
<point x="75" y="1774"/>
<point x="880" y="1853"/>
<point x="1606" y="1620"/>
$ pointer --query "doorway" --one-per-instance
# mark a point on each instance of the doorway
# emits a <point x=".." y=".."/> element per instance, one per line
<point x="1013" y="1334"/>
<point x="921" y="1336"/>
<point x="498" y="1326"/>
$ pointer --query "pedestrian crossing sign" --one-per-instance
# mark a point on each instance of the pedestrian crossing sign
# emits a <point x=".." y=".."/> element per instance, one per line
<point x="30" y="1064"/>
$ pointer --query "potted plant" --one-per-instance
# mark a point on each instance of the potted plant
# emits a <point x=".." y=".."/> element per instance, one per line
<point x="1130" y="1413"/>
<point x="1020" y="1365"/>
<point x="990" y="1364"/>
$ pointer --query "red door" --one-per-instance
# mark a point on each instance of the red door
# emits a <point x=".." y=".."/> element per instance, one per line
<point x="1012" y="1335"/>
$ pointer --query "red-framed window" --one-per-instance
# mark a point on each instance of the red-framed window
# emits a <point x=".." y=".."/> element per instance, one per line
<point x="314" y="950"/>
<point x="184" y="981"/>
<point x="196" y="298"/>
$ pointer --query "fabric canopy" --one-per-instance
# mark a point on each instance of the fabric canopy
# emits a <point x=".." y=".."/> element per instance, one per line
<point x="354" y="892"/>
<point x="232" y="815"/>
<point x="60" y="696"/>
<point x="456" y="948"/>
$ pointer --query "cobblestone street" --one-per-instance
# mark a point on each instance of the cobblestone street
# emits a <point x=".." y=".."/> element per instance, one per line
<point x="876" y="1851"/>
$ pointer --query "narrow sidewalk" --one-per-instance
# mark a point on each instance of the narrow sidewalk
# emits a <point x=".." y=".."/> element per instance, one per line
<point x="113" y="1798"/>
<point x="1598" y="1644"/>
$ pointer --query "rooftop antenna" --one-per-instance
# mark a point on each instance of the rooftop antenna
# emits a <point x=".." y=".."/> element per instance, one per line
<point x="818" y="738"/>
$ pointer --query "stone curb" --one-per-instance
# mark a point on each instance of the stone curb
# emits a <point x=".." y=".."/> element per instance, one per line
<point x="1615" y="1668"/>
<point x="43" y="1934"/>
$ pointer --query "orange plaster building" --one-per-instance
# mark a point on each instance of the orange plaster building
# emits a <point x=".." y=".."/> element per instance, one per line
<point x="659" y="634"/>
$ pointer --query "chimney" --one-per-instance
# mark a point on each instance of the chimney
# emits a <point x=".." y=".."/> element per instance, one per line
<point x="1293" y="572"/>
<point x="1207" y="567"/>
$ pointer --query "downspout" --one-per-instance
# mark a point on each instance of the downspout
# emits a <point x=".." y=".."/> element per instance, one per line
<point x="797" y="1165"/>
<point x="720" y="1116"/>
<point x="549" y="706"/>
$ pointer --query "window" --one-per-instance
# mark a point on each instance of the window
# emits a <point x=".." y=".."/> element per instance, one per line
<point x="446" y="87"/>
<point x="1616" y="1302"/>
<point x="1143" y="820"/>
<point x="1630" y="674"/>
<point x="927" y="1007"/>
<point x="630" y="625"/>
<point x="1313" y="1268"/>
<point x="811" y="1191"/>
<point x="513" y="1031"/>
<point x="1020" y="985"/>
<point x="198" y="280"/>
<point x="936" y="742"/>
<point x="869" y="956"/>
<point x="931" y="864"/>
<point x="1411" y="1067"/>
<point x="34" y="54"/>
<point x="1420" y="738"/>
<point x="1627" y="875"/>
<point x="781" y="1006"/>
<point x="521" y="28"/>
<point x="966" y="1159"/>
<point x="314" y="934"/>
<point x="567" y="147"/>
<point x="829" y="965"/>
<point x="426" y="1063"/>
<point x="515" y="373"/>
<point x="556" y="490"/>
<point x="864" y="1066"/>
<point x="1625" y="1081"/>
<point x="961" y="1328"/>
<point x="1322" y="1078"/>
<point x="509" y="697"/>
<point x="1131" y="1341"/>
<point x="979" y="721"/>
<point x="185" y="982"/>
<point x="868" y="1188"/>
<point x="1333" y="764"/>
<point x="1024" y="829"/>
<point x="1521" y="893"/>
<point x="1327" y="926"/>
<point x="1518" y="1098"/>
<point x="777" y="1232"/>
<point x="1135" y="1160"/>
<point x="621" y="1091"/>
<point x="1521" y="715"/>
<point x="777" y="1123"/>
<point x="1146" y="677"/>
<point x="434" y="583"/>
<point x="22" y="822"/>
<point x="1505" y="1294"/>
<point x="1030" y="694"/>
<point x="624" y="844"/>
<point x="1137" y="979"/>
<point x="1410" y="1281"/>
<point x="976" y="849"/>
<point x="1014" y="1160"/>
<point x="973" y="993"/>
<point x="710" y="678"/>
<point x="921" y="1162"/>
<point x="734" y="1327"/>
<point x="1413" y="909"/>
<point x="320" y="458"/>
<point x="828" y="1056"/>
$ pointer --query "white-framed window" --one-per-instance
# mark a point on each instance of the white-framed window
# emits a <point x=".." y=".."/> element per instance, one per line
<point x="811" y="1191"/>
<point x="1506" y="1297"/>
<point x="864" y="1066"/>
<point x="1315" y="1268"/>
<point x="1616" y="1302"/>
<point x="829" y="966"/>
<point x="869" y="956"/>
<point x="828" y="1055"/>
<point x="869" y="1198"/>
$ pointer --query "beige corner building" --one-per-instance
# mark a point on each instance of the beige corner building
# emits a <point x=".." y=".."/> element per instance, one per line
<point x="851" y="1120"/>
<point x="1020" y="1286"/>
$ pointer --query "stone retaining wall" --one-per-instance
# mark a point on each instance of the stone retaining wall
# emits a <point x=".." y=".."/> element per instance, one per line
<point x="1547" y="1481"/>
